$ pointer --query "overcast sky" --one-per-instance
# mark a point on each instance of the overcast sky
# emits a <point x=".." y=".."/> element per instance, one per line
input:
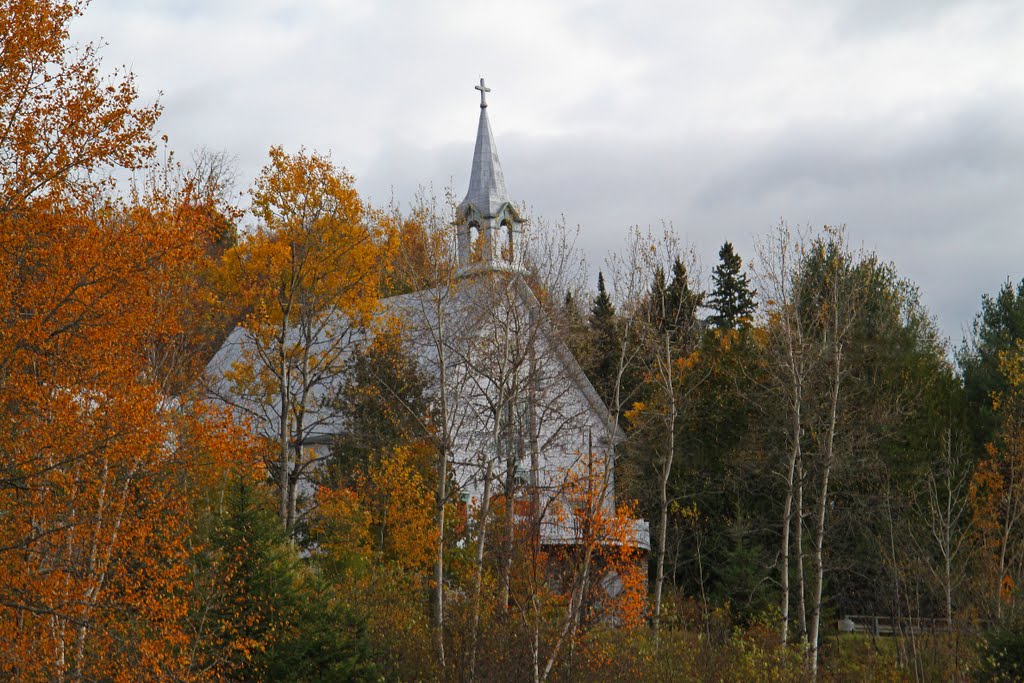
<point x="903" y="119"/>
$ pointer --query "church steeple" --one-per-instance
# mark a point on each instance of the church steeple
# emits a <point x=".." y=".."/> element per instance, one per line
<point x="489" y="226"/>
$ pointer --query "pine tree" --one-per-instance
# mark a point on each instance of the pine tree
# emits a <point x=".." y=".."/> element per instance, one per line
<point x="732" y="299"/>
<point x="603" y="308"/>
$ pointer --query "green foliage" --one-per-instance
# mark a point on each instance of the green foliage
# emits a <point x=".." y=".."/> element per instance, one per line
<point x="269" y="617"/>
<point x="574" y="328"/>
<point x="1001" y="652"/>
<point x="329" y="642"/>
<point x="605" y="344"/>
<point x="731" y="297"/>
<point x="383" y="404"/>
<point x="997" y="328"/>
<point x="672" y="307"/>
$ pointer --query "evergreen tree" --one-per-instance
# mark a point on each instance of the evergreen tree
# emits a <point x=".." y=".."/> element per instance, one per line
<point x="682" y="303"/>
<point x="731" y="299"/>
<point x="604" y="333"/>
<point x="997" y="328"/>
<point x="603" y="308"/>
<point x="384" y="404"/>
<point x="270" y="616"/>
<point x="673" y="304"/>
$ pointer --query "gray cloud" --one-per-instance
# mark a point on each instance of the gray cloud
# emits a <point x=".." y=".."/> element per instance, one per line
<point x="898" y="118"/>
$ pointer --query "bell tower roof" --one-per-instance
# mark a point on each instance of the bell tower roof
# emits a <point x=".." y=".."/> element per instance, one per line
<point x="487" y="196"/>
<point x="489" y="227"/>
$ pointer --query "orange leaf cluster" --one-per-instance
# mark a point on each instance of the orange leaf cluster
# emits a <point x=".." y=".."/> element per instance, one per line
<point x="95" y="460"/>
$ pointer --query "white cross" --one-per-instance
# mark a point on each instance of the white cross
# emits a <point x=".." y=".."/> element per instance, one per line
<point x="483" y="93"/>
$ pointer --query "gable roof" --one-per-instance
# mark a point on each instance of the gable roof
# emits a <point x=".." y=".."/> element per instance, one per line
<point x="420" y="313"/>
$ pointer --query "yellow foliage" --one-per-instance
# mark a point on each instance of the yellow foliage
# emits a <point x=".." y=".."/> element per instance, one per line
<point x="405" y="508"/>
<point x="314" y="253"/>
<point x="636" y="411"/>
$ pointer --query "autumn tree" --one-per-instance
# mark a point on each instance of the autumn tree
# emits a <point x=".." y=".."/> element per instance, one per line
<point x="309" y="275"/>
<point x="65" y="121"/>
<point x="96" y="462"/>
<point x="996" y="491"/>
<point x="424" y="267"/>
<point x="373" y="535"/>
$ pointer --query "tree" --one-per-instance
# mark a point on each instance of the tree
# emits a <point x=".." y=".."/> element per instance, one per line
<point x="604" y="334"/>
<point x="424" y="266"/>
<point x="309" y="275"/>
<point x="996" y="329"/>
<point x="270" y="616"/>
<point x="383" y="403"/>
<point x="94" y="466"/>
<point x="64" y="122"/>
<point x="668" y="333"/>
<point x="865" y="385"/>
<point x="731" y="297"/>
<point x="200" y="193"/>
<point x="790" y="361"/>
<point x="996" y="493"/>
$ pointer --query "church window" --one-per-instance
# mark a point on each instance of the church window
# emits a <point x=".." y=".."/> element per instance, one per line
<point x="506" y="241"/>
<point x="475" y="242"/>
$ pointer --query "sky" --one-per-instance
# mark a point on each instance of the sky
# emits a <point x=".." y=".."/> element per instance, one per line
<point x="902" y="119"/>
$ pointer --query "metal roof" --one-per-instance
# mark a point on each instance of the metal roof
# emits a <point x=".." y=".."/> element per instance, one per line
<point x="487" y="193"/>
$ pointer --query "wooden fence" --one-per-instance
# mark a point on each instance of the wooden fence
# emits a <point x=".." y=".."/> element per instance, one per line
<point x="887" y="626"/>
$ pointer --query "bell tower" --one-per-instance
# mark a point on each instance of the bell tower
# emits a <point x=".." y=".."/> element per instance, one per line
<point x="489" y="227"/>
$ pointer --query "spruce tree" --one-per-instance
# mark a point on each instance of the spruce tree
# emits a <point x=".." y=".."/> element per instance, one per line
<point x="731" y="299"/>
<point x="604" y="334"/>
<point x="269" y="615"/>
<point x="682" y="303"/>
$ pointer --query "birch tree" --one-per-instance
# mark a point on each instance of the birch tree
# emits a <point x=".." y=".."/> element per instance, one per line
<point x="790" y="361"/>
<point x="669" y="333"/>
<point x="309" y="276"/>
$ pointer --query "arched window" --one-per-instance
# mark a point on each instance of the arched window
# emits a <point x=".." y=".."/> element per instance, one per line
<point x="507" y="253"/>
<point x="475" y="242"/>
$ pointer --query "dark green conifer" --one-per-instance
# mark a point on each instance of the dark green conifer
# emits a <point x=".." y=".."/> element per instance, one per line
<point x="604" y="334"/>
<point x="998" y="328"/>
<point x="731" y="299"/>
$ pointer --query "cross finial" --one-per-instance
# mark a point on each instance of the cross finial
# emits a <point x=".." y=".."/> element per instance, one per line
<point x="483" y="93"/>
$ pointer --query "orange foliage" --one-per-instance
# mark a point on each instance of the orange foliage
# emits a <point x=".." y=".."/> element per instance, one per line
<point x="389" y="511"/>
<point x="609" y="534"/>
<point x="997" y="486"/>
<point x="95" y="468"/>
<point x="61" y="120"/>
<point x="307" y="275"/>
<point x="95" y="461"/>
<point x="601" y="573"/>
<point x="313" y="252"/>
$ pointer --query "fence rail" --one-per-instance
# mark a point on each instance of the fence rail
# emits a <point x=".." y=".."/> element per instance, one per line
<point x="887" y="626"/>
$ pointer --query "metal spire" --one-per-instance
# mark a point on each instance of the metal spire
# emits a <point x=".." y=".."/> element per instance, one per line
<point x="487" y="194"/>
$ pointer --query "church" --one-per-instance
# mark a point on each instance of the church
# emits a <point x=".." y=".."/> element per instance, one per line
<point x="518" y="417"/>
